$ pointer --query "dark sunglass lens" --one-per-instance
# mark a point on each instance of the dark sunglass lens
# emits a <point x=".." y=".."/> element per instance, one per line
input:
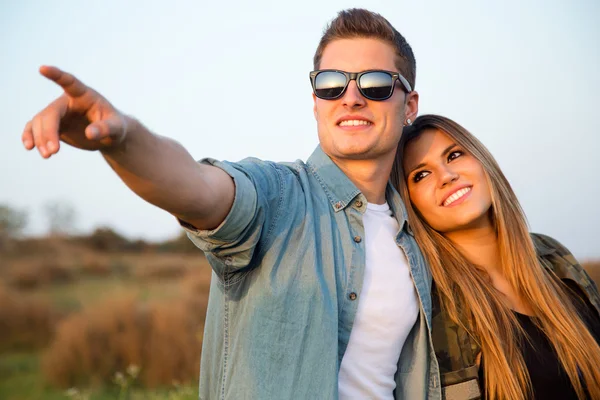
<point x="329" y="84"/>
<point x="376" y="85"/>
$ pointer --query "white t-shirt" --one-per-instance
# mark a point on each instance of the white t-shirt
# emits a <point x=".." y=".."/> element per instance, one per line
<point x="387" y="310"/>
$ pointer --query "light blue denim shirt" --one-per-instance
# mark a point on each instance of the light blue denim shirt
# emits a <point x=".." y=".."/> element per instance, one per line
<point x="288" y="265"/>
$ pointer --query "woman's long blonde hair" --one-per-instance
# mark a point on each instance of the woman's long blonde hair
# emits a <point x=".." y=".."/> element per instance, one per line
<point x="470" y="299"/>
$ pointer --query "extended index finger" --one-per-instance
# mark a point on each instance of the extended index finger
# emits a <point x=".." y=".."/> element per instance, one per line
<point x="72" y="86"/>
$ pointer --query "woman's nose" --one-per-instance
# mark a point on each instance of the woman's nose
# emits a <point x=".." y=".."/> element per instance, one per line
<point x="447" y="176"/>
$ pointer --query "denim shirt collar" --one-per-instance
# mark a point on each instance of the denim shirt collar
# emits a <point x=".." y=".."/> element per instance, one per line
<point x="397" y="206"/>
<point x="340" y="189"/>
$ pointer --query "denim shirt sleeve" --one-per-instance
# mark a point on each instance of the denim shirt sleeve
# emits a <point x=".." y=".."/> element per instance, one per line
<point x="230" y="247"/>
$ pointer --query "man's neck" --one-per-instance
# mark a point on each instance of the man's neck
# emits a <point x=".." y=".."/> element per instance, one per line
<point x="479" y="245"/>
<point x="369" y="176"/>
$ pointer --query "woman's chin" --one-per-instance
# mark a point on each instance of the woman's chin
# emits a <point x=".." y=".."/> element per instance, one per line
<point x="479" y="221"/>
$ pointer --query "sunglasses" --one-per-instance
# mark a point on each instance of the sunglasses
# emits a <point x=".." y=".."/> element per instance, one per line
<point x="378" y="85"/>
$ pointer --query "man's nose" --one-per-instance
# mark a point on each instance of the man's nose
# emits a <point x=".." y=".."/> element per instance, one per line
<point x="352" y="97"/>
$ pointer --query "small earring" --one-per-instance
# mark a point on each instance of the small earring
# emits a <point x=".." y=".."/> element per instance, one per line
<point x="408" y="122"/>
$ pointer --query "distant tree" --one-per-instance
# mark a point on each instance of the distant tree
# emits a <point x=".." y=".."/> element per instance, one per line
<point x="180" y="244"/>
<point x="107" y="239"/>
<point x="61" y="216"/>
<point x="12" y="221"/>
<point x="12" y="224"/>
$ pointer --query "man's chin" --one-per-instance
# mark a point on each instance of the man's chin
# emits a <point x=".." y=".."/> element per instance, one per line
<point x="354" y="154"/>
<point x="354" y="151"/>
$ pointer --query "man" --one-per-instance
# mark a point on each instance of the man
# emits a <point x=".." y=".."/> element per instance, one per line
<point x="312" y="296"/>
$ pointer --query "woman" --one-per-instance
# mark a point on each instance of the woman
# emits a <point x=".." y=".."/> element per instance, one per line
<point x="515" y="316"/>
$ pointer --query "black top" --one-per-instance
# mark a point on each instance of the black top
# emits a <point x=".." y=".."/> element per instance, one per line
<point x="549" y="380"/>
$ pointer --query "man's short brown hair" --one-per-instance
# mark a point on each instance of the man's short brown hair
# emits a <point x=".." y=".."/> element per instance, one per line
<point x="360" y="23"/>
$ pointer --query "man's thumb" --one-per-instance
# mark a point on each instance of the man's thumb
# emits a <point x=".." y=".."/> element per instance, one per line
<point x="113" y="128"/>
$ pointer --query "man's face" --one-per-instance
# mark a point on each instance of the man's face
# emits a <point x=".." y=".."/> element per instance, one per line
<point x="378" y="133"/>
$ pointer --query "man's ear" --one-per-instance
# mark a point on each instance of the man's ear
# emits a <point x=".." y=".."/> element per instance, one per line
<point x="411" y="109"/>
<point x="314" y="105"/>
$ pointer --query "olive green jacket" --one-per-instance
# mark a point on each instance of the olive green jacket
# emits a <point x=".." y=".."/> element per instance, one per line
<point x="456" y="351"/>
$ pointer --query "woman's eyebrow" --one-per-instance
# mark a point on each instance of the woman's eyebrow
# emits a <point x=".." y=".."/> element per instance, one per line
<point x="445" y="152"/>
<point x="417" y="167"/>
<point x="448" y="149"/>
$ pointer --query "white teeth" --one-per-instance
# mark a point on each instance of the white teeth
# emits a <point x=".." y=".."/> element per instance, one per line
<point x="354" y="122"/>
<point x="457" y="195"/>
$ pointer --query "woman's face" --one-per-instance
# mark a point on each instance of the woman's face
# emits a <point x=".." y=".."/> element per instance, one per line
<point x="446" y="185"/>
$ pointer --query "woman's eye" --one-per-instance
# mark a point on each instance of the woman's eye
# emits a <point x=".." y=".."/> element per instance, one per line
<point x="454" y="154"/>
<point x="420" y="175"/>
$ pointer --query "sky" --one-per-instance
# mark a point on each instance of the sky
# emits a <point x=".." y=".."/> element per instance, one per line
<point x="521" y="76"/>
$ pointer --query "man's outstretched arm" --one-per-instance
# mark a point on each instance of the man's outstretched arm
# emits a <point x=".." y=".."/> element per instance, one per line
<point x="156" y="168"/>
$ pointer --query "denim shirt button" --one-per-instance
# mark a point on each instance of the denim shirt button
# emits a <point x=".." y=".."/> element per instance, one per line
<point x="357" y="239"/>
<point x="358" y="203"/>
<point x="352" y="296"/>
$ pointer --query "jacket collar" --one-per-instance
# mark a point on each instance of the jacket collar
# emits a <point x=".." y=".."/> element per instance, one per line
<point x="541" y="248"/>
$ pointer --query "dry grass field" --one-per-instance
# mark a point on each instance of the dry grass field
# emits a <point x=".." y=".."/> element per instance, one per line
<point x="99" y="317"/>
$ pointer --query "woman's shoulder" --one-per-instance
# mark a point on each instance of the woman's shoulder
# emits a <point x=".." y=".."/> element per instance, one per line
<point x="545" y="245"/>
<point x="559" y="258"/>
<point x="556" y="257"/>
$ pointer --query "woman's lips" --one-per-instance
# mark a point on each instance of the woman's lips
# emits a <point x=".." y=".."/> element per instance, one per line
<point x="457" y="197"/>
